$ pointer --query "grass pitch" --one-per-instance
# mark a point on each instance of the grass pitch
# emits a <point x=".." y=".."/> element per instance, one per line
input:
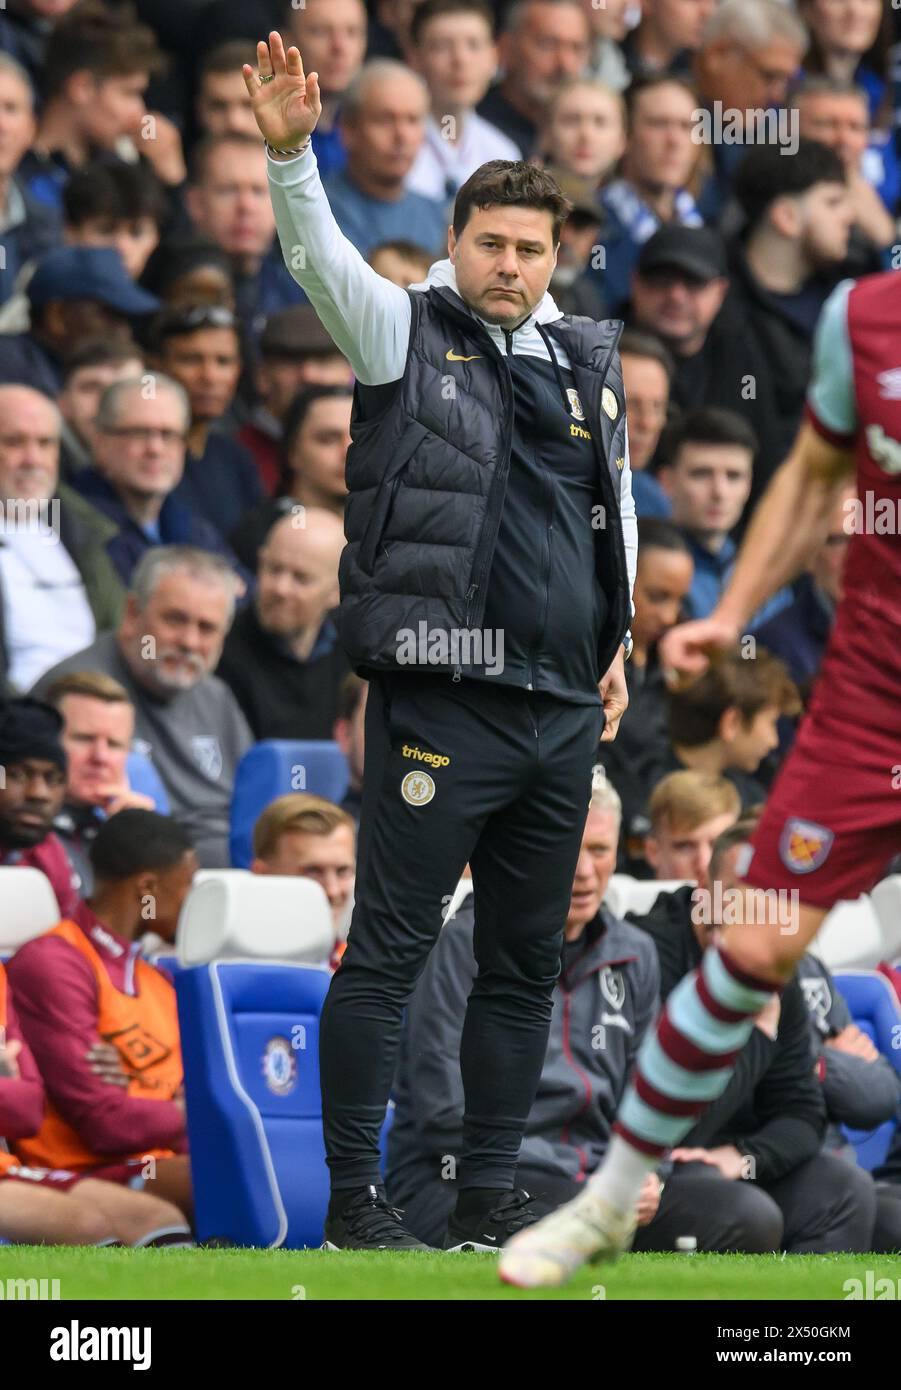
<point x="285" y="1275"/>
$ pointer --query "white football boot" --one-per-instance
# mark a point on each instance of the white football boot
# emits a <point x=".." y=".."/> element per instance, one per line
<point x="547" y="1253"/>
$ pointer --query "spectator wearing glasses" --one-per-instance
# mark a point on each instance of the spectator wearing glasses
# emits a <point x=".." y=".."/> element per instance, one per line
<point x="139" y="458"/>
<point x="201" y="349"/>
<point x="58" y="587"/>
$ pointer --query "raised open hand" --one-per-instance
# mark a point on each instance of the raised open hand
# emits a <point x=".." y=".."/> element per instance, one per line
<point x="286" y="103"/>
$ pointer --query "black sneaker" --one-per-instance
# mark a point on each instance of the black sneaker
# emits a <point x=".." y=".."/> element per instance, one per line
<point x="509" y="1214"/>
<point x="369" y="1222"/>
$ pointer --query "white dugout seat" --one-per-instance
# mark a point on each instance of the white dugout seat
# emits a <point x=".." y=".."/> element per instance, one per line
<point x="28" y="907"/>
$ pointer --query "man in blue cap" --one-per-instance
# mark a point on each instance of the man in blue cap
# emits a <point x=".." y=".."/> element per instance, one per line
<point x="76" y="293"/>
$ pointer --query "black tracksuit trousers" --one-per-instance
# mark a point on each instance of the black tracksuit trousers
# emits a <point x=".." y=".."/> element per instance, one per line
<point x="511" y="800"/>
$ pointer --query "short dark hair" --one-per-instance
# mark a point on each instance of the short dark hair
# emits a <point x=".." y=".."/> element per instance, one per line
<point x="115" y="190"/>
<point x="100" y="352"/>
<point x="103" y="41"/>
<point x="766" y="173"/>
<point x="182" y="322"/>
<point x="229" y="56"/>
<point x="207" y="146"/>
<point x="297" y="412"/>
<point x="654" y="533"/>
<point x="640" y="342"/>
<point x="350" y="693"/>
<point x="709" y="424"/>
<point x="730" y="682"/>
<point x="639" y="85"/>
<point x="737" y="834"/>
<point x="511" y="183"/>
<point x="433" y="9"/>
<point x="135" y="842"/>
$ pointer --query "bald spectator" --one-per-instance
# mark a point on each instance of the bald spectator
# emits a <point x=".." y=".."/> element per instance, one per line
<point x="200" y="348"/>
<point x="29" y="229"/>
<point x="313" y="453"/>
<point x="383" y="116"/>
<point x="452" y="46"/>
<point x="164" y="652"/>
<point x="305" y="836"/>
<point x="651" y="189"/>
<point x="331" y="35"/>
<point x="139" y="460"/>
<point x="86" y="375"/>
<point x="349" y="734"/>
<point x="282" y="658"/>
<point x="98" y="726"/>
<point x="31" y="794"/>
<point x="296" y="350"/>
<point x="221" y="104"/>
<point x="77" y="293"/>
<point x="750" y="50"/>
<point x="58" y="587"/>
<point x="541" y="43"/>
<point x="228" y="200"/>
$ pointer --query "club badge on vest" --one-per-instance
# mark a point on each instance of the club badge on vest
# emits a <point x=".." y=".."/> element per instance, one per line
<point x="207" y="754"/>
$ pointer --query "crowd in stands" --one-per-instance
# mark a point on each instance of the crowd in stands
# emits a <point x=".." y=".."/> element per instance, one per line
<point x="174" y="422"/>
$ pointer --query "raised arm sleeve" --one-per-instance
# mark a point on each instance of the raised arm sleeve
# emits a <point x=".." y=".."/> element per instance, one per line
<point x="629" y="519"/>
<point x="367" y="316"/>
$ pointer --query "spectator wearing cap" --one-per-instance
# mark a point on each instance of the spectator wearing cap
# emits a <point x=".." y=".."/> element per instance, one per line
<point x="139" y="459"/>
<point x="679" y="293"/>
<point x="313" y="455"/>
<point x="650" y="191"/>
<point x="58" y="587"/>
<point x="87" y="373"/>
<point x="98" y="726"/>
<point x="749" y="53"/>
<point x="97" y="68"/>
<point x="667" y="37"/>
<point x="164" y="652"/>
<point x="201" y="350"/>
<point x="331" y="35"/>
<point x="27" y="229"/>
<point x="452" y="47"/>
<point x="296" y="350"/>
<point x="647" y="372"/>
<point x="77" y="292"/>
<point x="189" y="269"/>
<point x="382" y="123"/>
<point x="349" y="733"/>
<point x="662" y="580"/>
<point x="541" y="42"/>
<point x="789" y="257"/>
<point x="400" y="261"/>
<point x="31" y="794"/>
<point x="282" y="659"/>
<point x="228" y="201"/>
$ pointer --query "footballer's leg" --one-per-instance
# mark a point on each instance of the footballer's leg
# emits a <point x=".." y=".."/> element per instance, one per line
<point x="135" y="1218"/>
<point x="682" y="1067"/>
<point x="33" y="1215"/>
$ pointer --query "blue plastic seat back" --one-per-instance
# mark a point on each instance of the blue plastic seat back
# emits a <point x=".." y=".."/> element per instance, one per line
<point x="273" y="768"/>
<point x="250" y="1040"/>
<point x="875" y="1009"/>
<point x="144" y="778"/>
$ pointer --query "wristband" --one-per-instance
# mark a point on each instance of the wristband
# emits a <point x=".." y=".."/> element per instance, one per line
<point x="275" y="149"/>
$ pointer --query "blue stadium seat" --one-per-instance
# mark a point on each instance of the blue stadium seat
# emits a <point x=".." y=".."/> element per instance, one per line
<point x="250" y="990"/>
<point x="875" y="1009"/>
<point x="273" y="768"/>
<point x="144" y="778"/>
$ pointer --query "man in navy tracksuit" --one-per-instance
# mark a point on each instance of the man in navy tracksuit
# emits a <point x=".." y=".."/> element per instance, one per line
<point x="485" y="593"/>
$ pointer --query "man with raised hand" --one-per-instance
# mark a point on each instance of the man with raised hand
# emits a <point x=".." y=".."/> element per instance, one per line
<point x="485" y="593"/>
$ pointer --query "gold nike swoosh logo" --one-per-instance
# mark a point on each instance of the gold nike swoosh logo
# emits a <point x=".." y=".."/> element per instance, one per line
<point x="455" y="357"/>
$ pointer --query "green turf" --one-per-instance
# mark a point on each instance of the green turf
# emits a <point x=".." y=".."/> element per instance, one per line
<point x="282" y="1274"/>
